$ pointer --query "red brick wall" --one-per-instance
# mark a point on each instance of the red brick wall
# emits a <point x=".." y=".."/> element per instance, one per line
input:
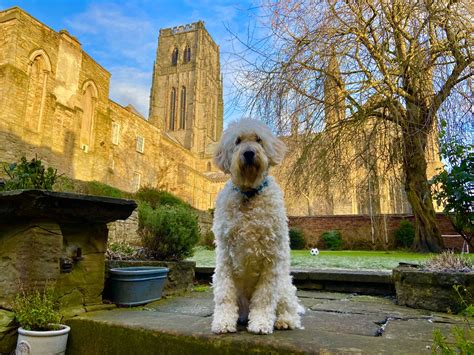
<point x="356" y="230"/>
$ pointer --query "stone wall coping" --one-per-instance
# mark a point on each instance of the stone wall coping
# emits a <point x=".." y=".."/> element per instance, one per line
<point x="390" y="215"/>
<point x="62" y="207"/>
<point x="420" y="276"/>
<point x="339" y="275"/>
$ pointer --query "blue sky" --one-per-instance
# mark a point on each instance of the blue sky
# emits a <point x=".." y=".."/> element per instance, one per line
<point x="122" y="36"/>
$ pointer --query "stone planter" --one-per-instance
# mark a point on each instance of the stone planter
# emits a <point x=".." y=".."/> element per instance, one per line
<point x="42" y="342"/>
<point x="136" y="285"/>
<point x="430" y="290"/>
<point x="58" y="238"/>
<point x="180" y="275"/>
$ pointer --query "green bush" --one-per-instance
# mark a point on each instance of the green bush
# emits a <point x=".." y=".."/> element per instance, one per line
<point x="155" y="197"/>
<point x="332" y="240"/>
<point x="207" y="240"/>
<point x="169" y="232"/>
<point x="405" y="234"/>
<point x="100" y="189"/>
<point x="37" y="310"/>
<point x="29" y="175"/>
<point x="297" y="241"/>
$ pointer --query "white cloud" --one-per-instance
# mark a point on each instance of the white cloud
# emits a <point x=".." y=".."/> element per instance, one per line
<point x="112" y="34"/>
<point x="131" y="86"/>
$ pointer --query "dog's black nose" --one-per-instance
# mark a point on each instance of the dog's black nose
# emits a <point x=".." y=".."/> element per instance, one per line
<point x="249" y="155"/>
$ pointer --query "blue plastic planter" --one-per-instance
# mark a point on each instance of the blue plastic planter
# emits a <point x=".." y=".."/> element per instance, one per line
<point x="134" y="286"/>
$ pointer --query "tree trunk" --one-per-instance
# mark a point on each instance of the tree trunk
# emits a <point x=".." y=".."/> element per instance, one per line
<point x="427" y="234"/>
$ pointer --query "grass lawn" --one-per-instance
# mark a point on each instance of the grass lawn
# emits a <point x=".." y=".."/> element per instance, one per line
<point x="346" y="259"/>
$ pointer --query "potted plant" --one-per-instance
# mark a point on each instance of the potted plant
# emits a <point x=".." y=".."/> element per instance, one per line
<point x="37" y="313"/>
<point x="169" y="231"/>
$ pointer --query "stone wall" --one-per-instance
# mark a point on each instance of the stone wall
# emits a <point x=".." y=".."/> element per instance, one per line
<point x="356" y="230"/>
<point x="125" y="231"/>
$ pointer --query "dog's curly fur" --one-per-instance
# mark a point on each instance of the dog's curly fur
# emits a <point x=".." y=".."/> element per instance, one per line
<point x="252" y="281"/>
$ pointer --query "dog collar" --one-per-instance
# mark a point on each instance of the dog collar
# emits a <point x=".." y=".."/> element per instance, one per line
<point x="251" y="193"/>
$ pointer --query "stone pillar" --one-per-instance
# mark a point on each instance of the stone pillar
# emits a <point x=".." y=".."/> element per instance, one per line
<point x="29" y="257"/>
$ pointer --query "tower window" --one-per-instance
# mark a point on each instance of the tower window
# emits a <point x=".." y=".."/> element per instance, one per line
<point x="187" y="54"/>
<point x="172" y="109"/>
<point x="174" y="57"/>
<point x="182" y="111"/>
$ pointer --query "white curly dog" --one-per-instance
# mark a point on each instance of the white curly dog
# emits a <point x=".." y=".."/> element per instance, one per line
<point x="252" y="281"/>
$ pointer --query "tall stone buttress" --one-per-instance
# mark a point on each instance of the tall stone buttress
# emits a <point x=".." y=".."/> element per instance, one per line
<point x="186" y="94"/>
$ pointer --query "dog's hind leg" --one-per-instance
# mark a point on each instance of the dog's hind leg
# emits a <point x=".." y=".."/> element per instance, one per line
<point x="226" y="309"/>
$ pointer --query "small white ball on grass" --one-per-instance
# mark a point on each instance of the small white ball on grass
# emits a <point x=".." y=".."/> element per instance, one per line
<point x="314" y="251"/>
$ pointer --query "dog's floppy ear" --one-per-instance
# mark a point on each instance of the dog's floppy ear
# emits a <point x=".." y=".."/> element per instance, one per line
<point x="276" y="150"/>
<point x="221" y="157"/>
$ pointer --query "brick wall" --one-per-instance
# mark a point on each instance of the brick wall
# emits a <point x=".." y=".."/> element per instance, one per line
<point x="356" y="230"/>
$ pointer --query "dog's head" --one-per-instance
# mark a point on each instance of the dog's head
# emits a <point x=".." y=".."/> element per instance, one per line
<point x="247" y="149"/>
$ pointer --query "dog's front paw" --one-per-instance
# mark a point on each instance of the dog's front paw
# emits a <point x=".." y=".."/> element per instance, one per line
<point x="260" y="327"/>
<point x="221" y="327"/>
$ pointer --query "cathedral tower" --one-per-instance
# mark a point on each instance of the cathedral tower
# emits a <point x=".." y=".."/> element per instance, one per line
<point x="333" y="94"/>
<point x="186" y="93"/>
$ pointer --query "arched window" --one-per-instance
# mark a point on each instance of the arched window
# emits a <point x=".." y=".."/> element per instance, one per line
<point x="209" y="167"/>
<point x="174" y="57"/>
<point x="89" y="104"/>
<point x="182" y="109"/>
<point x="38" y="71"/>
<point x="187" y="54"/>
<point x="172" y="109"/>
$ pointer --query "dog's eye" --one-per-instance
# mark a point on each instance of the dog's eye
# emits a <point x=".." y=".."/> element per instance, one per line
<point x="259" y="140"/>
<point x="237" y="141"/>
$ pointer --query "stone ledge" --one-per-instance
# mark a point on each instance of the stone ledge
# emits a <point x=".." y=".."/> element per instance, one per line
<point x="62" y="207"/>
<point x="359" y="281"/>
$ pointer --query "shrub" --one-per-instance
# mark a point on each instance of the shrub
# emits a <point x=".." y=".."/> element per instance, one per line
<point x="207" y="240"/>
<point x="100" y="189"/>
<point x="169" y="232"/>
<point x="37" y="310"/>
<point x="448" y="261"/>
<point x="453" y="186"/>
<point x="155" y="197"/>
<point x="332" y="240"/>
<point x="405" y="234"/>
<point x="29" y="175"/>
<point x="297" y="241"/>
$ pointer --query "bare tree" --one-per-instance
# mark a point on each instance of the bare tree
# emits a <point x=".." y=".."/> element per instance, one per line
<point x="386" y="67"/>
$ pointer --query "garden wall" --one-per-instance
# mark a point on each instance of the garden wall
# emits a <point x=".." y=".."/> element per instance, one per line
<point x="356" y="230"/>
<point x="125" y="231"/>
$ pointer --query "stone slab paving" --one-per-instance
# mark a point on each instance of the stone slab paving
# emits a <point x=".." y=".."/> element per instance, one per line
<point x="334" y="323"/>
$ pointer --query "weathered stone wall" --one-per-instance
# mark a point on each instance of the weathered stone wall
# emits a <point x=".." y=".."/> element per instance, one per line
<point x="125" y="231"/>
<point x="55" y="134"/>
<point x="356" y="230"/>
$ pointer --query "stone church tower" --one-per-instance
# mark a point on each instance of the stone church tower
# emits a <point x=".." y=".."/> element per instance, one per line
<point x="186" y="93"/>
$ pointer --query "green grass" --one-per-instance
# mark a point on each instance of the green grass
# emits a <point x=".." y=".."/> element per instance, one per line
<point x="347" y="259"/>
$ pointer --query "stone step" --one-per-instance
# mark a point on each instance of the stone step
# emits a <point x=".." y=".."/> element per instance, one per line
<point x="334" y="323"/>
<point x="367" y="282"/>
